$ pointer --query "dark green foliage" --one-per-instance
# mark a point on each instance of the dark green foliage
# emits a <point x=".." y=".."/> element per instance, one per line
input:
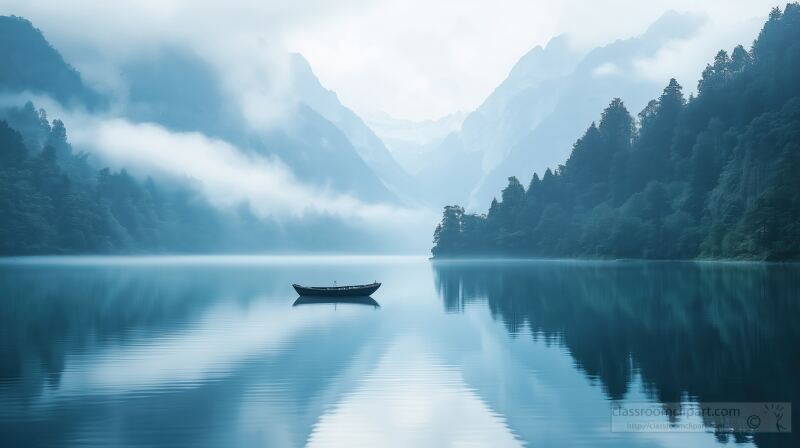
<point x="447" y="237"/>
<point x="52" y="201"/>
<point x="714" y="176"/>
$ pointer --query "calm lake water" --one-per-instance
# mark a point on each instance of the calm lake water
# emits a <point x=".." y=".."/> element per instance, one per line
<point x="210" y="351"/>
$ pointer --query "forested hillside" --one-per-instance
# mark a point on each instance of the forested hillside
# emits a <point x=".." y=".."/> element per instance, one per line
<point x="56" y="201"/>
<point x="712" y="176"/>
<point x="53" y="201"/>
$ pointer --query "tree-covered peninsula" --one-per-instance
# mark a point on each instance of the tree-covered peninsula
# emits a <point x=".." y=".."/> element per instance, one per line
<point x="711" y="176"/>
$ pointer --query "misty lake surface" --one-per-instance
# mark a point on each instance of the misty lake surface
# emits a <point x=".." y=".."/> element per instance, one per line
<point x="210" y="351"/>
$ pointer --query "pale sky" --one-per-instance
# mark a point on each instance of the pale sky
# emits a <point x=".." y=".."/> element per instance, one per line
<point x="424" y="59"/>
<point x="414" y="59"/>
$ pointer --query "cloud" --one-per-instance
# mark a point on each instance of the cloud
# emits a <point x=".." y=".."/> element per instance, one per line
<point x="243" y="41"/>
<point x="418" y="59"/>
<point x="227" y="176"/>
<point x="411" y="58"/>
<point x="411" y="398"/>
<point x="607" y="69"/>
<point x="209" y="349"/>
<point x="685" y="59"/>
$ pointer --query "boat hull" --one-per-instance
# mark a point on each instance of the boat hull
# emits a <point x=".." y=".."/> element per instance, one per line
<point x="340" y="291"/>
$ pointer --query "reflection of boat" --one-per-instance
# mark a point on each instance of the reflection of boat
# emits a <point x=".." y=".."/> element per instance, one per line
<point x="337" y="291"/>
<point x="311" y="300"/>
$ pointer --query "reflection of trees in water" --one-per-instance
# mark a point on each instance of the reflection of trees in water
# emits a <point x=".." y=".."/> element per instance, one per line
<point x="50" y="312"/>
<point x="714" y="332"/>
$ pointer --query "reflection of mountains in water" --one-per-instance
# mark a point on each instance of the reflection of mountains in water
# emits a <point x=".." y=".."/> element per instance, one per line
<point x="60" y="323"/>
<point x="712" y="332"/>
<point x="91" y="307"/>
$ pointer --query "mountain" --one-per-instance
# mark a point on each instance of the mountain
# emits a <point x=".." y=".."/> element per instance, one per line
<point x="512" y="110"/>
<point x="530" y="120"/>
<point x="519" y="103"/>
<point x="308" y="90"/>
<point x="711" y="176"/>
<point x="31" y="64"/>
<point x="413" y="143"/>
<point x="56" y="200"/>
<point x="163" y="89"/>
<point x="53" y="201"/>
<point x="320" y="154"/>
<point x="604" y="73"/>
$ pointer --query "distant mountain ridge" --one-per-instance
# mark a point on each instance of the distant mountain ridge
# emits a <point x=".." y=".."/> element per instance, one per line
<point x="709" y="176"/>
<point x="413" y="143"/>
<point x="163" y="90"/>
<point x="603" y="73"/>
<point x="31" y="64"/>
<point x="369" y="146"/>
<point x="531" y="119"/>
<point x="56" y="200"/>
<point x="163" y="87"/>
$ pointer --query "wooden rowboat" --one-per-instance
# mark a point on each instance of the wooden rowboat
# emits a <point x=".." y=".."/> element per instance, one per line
<point x="337" y="291"/>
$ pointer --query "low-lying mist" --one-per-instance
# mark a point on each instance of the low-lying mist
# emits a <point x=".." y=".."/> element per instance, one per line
<point x="230" y="177"/>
